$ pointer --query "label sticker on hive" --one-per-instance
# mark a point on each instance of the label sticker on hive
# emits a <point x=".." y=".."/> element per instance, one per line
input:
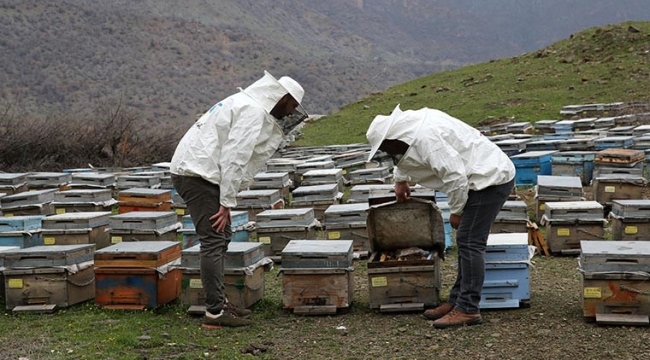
<point x="116" y="239"/>
<point x="380" y="281"/>
<point x="542" y="207"/>
<point x="15" y="283"/>
<point x="333" y="235"/>
<point x="60" y="211"/>
<point x="592" y="293"/>
<point x="345" y="171"/>
<point x="196" y="284"/>
<point x="630" y="230"/>
<point x="8" y="215"/>
<point x="49" y="241"/>
<point x="564" y="232"/>
<point x="610" y="189"/>
<point x="180" y="212"/>
<point x="265" y="239"/>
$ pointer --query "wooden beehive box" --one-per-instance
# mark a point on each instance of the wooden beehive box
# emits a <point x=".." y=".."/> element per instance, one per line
<point x="93" y="180"/>
<point x="615" y="286"/>
<point x="138" y="275"/>
<point x="571" y="210"/>
<point x="41" y="180"/>
<point x="563" y="236"/>
<point x="275" y="228"/>
<point x="77" y="228"/>
<point x="137" y="181"/>
<point x="317" y="276"/>
<point x="20" y="223"/>
<point x="256" y="201"/>
<point x="13" y="183"/>
<point x="144" y="200"/>
<point x="324" y="177"/>
<point x="378" y="175"/>
<point x="560" y="186"/>
<point x="29" y="198"/>
<point x="243" y="287"/>
<point x="618" y="187"/>
<point x="411" y="284"/>
<point x="83" y="200"/>
<point x="348" y="221"/>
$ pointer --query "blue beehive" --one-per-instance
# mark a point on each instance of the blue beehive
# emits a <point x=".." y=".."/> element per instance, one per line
<point x="531" y="164"/>
<point x="507" y="273"/>
<point x="619" y="142"/>
<point x="574" y="163"/>
<point x="449" y="231"/>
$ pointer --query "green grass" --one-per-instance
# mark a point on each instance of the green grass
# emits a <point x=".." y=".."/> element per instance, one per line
<point x="599" y="65"/>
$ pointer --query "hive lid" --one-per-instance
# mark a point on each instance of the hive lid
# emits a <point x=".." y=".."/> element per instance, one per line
<point x="414" y="223"/>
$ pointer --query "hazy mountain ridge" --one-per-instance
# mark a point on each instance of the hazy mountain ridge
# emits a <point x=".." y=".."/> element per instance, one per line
<point x="173" y="60"/>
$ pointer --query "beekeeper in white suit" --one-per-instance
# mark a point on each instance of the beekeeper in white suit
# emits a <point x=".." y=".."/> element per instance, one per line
<point x="224" y="149"/>
<point x="440" y="152"/>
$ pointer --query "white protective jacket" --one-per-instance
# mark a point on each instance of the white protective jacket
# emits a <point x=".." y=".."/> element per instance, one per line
<point x="444" y="153"/>
<point x="230" y="143"/>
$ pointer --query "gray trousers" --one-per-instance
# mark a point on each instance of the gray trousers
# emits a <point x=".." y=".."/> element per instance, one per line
<point x="471" y="238"/>
<point x="202" y="199"/>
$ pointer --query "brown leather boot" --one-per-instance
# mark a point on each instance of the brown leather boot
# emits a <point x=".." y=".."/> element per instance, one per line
<point x="438" y="312"/>
<point x="457" y="318"/>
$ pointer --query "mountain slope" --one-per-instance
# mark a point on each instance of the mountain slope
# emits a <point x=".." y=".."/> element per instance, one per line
<point x="599" y="65"/>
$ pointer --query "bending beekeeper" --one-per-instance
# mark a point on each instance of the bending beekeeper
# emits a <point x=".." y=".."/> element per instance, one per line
<point x="224" y="149"/>
<point x="438" y="151"/>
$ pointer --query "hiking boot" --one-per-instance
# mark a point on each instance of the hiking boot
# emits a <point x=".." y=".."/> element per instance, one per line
<point x="438" y="312"/>
<point x="457" y="317"/>
<point x="240" y="312"/>
<point x="225" y="318"/>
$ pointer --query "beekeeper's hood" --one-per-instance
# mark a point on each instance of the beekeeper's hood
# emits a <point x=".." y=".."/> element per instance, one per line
<point x="268" y="91"/>
<point x="400" y="125"/>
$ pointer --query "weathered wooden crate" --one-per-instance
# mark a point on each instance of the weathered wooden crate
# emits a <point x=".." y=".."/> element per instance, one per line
<point x="408" y="285"/>
<point x="317" y="254"/>
<point x="136" y="181"/>
<point x="276" y="238"/>
<point x="20" y="223"/>
<point x="49" y="256"/>
<point x="630" y="228"/>
<point x="166" y="234"/>
<point x="144" y="200"/>
<point x="79" y="220"/>
<point x="607" y="188"/>
<point x="513" y="209"/>
<point x="96" y="235"/>
<point x="601" y="169"/>
<point x="544" y="126"/>
<point x="637" y="208"/>
<point x="136" y="288"/>
<point x="307" y="195"/>
<point x="2" y="265"/>
<point x="40" y="180"/>
<point x="619" y="156"/>
<point x="361" y="193"/>
<point x="242" y="289"/>
<point x="28" y="198"/>
<point x="560" y="186"/>
<point x="577" y="144"/>
<point x="571" y="210"/>
<point x="563" y="236"/>
<point x="29" y="210"/>
<point x="93" y="180"/>
<point x="324" y="177"/>
<point x="21" y="239"/>
<point x="238" y="255"/>
<point x="83" y="200"/>
<point x="614" y="142"/>
<point x="504" y="226"/>
<point x="143" y="220"/>
<point x="43" y="289"/>
<point x="615" y="286"/>
<point x="285" y="217"/>
<point x="149" y="254"/>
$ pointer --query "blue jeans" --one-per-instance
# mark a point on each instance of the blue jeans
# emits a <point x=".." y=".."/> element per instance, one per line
<point x="471" y="238"/>
<point x="203" y="200"/>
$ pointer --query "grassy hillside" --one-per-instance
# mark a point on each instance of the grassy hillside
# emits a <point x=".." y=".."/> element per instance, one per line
<point x="598" y="65"/>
